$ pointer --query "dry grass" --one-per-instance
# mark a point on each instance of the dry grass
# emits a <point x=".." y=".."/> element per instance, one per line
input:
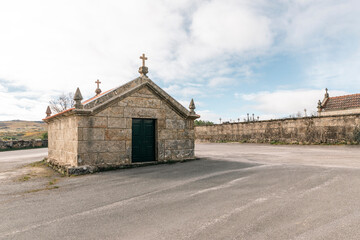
<point x="40" y="171"/>
<point x="24" y="178"/>
<point x="24" y="130"/>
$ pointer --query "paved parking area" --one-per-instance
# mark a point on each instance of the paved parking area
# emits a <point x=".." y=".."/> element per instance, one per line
<point x="235" y="191"/>
<point x="10" y="160"/>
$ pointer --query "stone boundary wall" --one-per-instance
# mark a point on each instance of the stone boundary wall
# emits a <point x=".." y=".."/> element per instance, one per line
<point x="307" y="130"/>
<point x="20" y="144"/>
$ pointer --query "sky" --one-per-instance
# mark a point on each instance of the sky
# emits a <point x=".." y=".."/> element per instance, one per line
<point x="268" y="58"/>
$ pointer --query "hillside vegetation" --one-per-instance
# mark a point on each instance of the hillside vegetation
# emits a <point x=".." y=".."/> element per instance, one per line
<point x="21" y="130"/>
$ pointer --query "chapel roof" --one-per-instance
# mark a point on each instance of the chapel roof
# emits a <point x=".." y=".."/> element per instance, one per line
<point x="83" y="103"/>
<point x="342" y="102"/>
<point x="102" y="100"/>
<point x="95" y="97"/>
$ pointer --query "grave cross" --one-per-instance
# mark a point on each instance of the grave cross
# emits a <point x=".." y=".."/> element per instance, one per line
<point x="98" y="83"/>
<point x="143" y="59"/>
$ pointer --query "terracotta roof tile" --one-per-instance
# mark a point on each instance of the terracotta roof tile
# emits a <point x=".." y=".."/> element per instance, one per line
<point x="97" y="96"/>
<point x="342" y="102"/>
<point x="67" y="110"/>
<point x="83" y="103"/>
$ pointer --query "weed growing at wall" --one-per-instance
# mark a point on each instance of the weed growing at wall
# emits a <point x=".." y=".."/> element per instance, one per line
<point x="357" y="134"/>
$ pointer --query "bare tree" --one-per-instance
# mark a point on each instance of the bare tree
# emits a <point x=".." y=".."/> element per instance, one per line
<point x="63" y="102"/>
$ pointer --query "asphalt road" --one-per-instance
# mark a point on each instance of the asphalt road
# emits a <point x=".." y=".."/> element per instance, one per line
<point x="12" y="159"/>
<point x="236" y="191"/>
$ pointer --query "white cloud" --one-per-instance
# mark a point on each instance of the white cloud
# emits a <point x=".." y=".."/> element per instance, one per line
<point x="227" y="26"/>
<point x="285" y="102"/>
<point x="221" y="82"/>
<point x="343" y="72"/>
<point x="327" y="32"/>
<point x="208" y="115"/>
<point x="18" y="106"/>
<point x="194" y="46"/>
<point x="65" y="43"/>
<point x="310" y="23"/>
<point x="184" y="91"/>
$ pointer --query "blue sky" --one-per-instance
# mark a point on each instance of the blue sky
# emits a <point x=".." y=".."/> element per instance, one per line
<point x="270" y="58"/>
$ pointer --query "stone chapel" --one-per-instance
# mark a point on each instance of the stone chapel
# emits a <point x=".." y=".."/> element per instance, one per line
<point x="133" y="124"/>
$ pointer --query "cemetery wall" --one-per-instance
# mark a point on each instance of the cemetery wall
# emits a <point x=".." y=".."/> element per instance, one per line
<point x="22" y="144"/>
<point x="307" y="130"/>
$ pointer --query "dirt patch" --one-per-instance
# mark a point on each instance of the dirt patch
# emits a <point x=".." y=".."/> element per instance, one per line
<point x="38" y="172"/>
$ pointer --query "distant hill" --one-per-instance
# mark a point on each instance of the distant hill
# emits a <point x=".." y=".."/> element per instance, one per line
<point x="21" y="130"/>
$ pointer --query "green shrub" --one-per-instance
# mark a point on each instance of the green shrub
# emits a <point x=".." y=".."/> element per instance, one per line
<point x="44" y="136"/>
<point x="203" y="123"/>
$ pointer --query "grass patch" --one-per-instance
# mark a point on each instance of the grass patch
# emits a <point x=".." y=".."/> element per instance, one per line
<point x="223" y="141"/>
<point x="39" y="174"/>
<point x="274" y="142"/>
<point x="41" y="163"/>
<point x="52" y="182"/>
<point x="24" y="178"/>
<point x="42" y="189"/>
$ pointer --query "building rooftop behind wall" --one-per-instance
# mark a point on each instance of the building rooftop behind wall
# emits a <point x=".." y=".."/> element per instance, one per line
<point x="342" y="102"/>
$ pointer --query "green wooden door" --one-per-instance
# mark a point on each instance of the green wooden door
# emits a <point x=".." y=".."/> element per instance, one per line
<point x="143" y="140"/>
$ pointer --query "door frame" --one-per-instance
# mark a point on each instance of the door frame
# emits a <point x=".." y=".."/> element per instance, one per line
<point x="155" y="139"/>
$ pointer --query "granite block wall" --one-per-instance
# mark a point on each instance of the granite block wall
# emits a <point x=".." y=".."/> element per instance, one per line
<point x="19" y="144"/>
<point x="308" y="130"/>
<point x="63" y="144"/>
<point x="104" y="139"/>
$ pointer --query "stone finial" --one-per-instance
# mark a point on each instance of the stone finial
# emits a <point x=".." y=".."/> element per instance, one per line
<point x="143" y="70"/>
<point x="319" y="106"/>
<point x="192" y="106"/>
<point x="78" y="97"/>
<point x="48" y="112"/>
<point x="98" y="90"/>
<point x="326" y="93"/>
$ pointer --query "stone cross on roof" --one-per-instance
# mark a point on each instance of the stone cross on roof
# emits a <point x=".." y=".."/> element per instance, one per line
<point x="98" y="90"/>
<point x="143" y="59"/>
<point x="143" y="70"/>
